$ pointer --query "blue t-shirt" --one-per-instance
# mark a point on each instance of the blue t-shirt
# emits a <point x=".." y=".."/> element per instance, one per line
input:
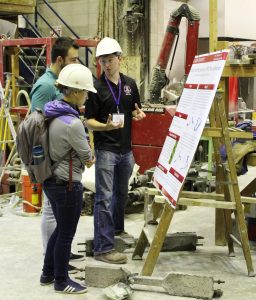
<point x="44" y="90"/>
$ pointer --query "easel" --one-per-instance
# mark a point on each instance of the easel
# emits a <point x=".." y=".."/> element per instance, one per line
<point x="229" y="201"/>
<point x="227" y="197"/>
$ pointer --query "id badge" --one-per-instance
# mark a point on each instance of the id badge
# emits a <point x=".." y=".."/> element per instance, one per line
<point x="118" y="118"/>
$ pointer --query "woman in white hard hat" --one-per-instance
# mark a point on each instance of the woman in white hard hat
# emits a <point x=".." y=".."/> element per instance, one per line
<point x="109" y="114"/>
<point x="70" y="152"/>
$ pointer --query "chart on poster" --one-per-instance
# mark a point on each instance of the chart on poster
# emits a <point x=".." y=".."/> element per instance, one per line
<point x="188" y="123"/>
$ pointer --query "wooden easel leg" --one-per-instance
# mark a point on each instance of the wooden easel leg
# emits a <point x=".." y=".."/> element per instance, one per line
<point x="140" y="246"/>
<point x="244" y="241"/>
<point x="220" y="237"/>
<point x="157" y="241"/>
<point x="151" y="213"/>
<point x="156" y="210"/>
<point x="229" y="227"/>
<point x="227" y="216"/>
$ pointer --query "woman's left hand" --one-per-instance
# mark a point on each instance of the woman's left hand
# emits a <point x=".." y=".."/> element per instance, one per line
<point x="89" y="163"/>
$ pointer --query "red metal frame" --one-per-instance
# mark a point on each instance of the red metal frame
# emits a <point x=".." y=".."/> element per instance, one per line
<point x="38" y="42"/>
<point x="27" y="42"/>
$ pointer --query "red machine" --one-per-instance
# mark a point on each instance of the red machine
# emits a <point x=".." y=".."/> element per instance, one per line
<point x="149" y="134"/>
<point x="159" y="80"/>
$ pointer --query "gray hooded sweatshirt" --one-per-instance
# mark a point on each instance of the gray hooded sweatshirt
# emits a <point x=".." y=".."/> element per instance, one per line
<point x="67" y="135"/>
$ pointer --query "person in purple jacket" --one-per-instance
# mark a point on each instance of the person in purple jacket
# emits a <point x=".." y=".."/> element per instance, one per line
<point x="69" y="147"/>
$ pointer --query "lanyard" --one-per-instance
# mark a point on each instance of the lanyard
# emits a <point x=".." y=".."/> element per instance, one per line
<point x="117" y="100"/>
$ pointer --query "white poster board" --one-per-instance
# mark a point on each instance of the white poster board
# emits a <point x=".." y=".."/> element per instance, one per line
<point x="188" y="124"/>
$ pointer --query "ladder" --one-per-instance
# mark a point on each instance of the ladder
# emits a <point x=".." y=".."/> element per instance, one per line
<point x="7" y="127"/>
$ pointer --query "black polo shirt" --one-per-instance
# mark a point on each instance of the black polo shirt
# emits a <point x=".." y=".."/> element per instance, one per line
<point x="99" y="106"/>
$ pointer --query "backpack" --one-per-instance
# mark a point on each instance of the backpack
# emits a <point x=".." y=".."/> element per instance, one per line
<point x="33" y="146"/>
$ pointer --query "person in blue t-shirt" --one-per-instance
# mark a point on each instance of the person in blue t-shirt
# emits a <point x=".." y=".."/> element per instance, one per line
<point x="64" y="52"/>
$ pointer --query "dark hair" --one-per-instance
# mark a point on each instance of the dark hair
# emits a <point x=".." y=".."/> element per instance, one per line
<point x="62" y="88"/>
<point x="61" y="47"/>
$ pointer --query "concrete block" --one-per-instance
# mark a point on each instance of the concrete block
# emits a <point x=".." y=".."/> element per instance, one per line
<point x="181" y="285"/>
<point x="102" y="277"/>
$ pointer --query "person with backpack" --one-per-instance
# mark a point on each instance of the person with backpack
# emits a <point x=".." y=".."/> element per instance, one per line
<point x="68" y="145"/>
<point x="64" y="51"/>
<point x="109" y="114"/>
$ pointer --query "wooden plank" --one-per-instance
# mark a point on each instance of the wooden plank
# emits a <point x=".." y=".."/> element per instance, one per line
<point x="212" y="132"/>
<point x="214" y="196"/>
<point x="17" y="6"/>
<point x="201" y="202"/>
<point x="208" y="197"/>
<point x="19" y="2"/>
<point x="239" y="71"/>
<point x="213" y="25"/>
<point x="233" y="133"/>
<point x="16" y="9"/>
<point x="152" y="191"/>
<point x="220" y="234"/>
<point x="150" y="231"/>
<point x="198" y="195"/>
<point x="140" y="246"/>
<point x="207" y="203"/>
<point x="222" y="45"/>
<point x="240" y="134"/>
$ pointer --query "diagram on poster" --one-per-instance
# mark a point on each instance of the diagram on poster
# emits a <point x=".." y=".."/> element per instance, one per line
<point x="188" y="124"/>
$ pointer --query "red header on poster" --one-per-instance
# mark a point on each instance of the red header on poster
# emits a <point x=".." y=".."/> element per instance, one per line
<point x="211" y="57"/>
<point x="206" y="87"/>
<point x="176" y="175"/>
<point x="181" y="115"/>
<point x="190" y="86"/>
<point x="157" y="184"/>
<point x="162" y="168"/>
<point x="174" y="136"/>
<point x="169" y="197"/>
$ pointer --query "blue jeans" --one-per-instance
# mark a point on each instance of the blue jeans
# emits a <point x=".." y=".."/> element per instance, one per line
<point x="66" y="206"/>
<point x="113" y="171"/>
<point x="48" y="222"/>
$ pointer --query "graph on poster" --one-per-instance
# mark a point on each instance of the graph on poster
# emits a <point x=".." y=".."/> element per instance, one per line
<point x="188" y="123"/>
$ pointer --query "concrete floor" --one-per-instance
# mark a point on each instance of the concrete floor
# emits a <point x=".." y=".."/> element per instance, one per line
<point x="21" y="258"/>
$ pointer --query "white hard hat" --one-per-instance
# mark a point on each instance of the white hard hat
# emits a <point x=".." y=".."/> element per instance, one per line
<point x="107" y="46"/>
<point x="76" y="76"/>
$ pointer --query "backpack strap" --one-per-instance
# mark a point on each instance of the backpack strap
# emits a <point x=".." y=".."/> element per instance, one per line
<point x="70" y="172"/>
